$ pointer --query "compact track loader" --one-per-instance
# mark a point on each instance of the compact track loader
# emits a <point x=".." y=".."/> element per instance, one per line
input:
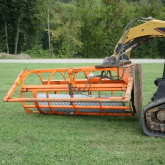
<point x="113" y="88"/>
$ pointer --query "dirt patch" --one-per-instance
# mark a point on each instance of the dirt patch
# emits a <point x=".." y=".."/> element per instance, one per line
<point x="12" y="56"/>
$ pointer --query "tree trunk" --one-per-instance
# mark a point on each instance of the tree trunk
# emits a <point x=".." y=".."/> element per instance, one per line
<point x="50" y="55"/>
<point x="17" y="36"/>
<point x="7" y="46"/>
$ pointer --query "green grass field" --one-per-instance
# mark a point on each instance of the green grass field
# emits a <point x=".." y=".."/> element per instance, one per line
<point x="67" y="140"/>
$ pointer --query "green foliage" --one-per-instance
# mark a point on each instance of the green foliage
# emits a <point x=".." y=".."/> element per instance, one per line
<point x="30" y="31"/>
<point x="66" y="30"/>
<point x="100" y="21"/>
<point x="150" y="8"/>
<point x="87" y="28"/>
<point x="38" y="52"/>
<point x="101" y="24"/>
<point x="154" y="48"/>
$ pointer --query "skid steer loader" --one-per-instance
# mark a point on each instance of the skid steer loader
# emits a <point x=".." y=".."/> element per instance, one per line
<point x="113" y="88"/>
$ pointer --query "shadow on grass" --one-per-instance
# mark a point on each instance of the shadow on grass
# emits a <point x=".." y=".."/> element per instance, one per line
<point x="81" y="122"/>
<point x="89" y="117"/>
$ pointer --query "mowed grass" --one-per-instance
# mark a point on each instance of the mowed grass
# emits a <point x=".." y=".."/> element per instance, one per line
<point x="65" y="139"/>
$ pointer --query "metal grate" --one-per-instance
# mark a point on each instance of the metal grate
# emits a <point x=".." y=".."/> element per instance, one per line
<point x="79" y="104"/>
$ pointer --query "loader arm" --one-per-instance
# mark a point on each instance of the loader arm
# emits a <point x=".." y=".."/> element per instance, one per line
<point x="139" y="35"/>
<point x="133" y="37"/>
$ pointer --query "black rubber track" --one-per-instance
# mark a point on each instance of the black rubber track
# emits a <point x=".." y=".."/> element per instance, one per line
<point x="143" y="119"/>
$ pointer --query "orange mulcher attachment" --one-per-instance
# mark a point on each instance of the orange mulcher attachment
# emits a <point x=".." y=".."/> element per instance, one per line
<point x="97" y="94"/>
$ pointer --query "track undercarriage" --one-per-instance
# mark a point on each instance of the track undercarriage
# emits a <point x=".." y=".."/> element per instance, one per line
<point x="153" y="116"/>
<point x="153" y="119"/>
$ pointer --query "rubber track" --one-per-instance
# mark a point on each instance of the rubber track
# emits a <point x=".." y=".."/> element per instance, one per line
<point x="150" y="105"/>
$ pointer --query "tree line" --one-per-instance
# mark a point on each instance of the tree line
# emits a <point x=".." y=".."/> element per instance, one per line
<point x="78" y="28"/>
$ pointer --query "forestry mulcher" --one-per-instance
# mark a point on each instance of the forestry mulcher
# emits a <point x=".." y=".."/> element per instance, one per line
<point x="113" y="88"/>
